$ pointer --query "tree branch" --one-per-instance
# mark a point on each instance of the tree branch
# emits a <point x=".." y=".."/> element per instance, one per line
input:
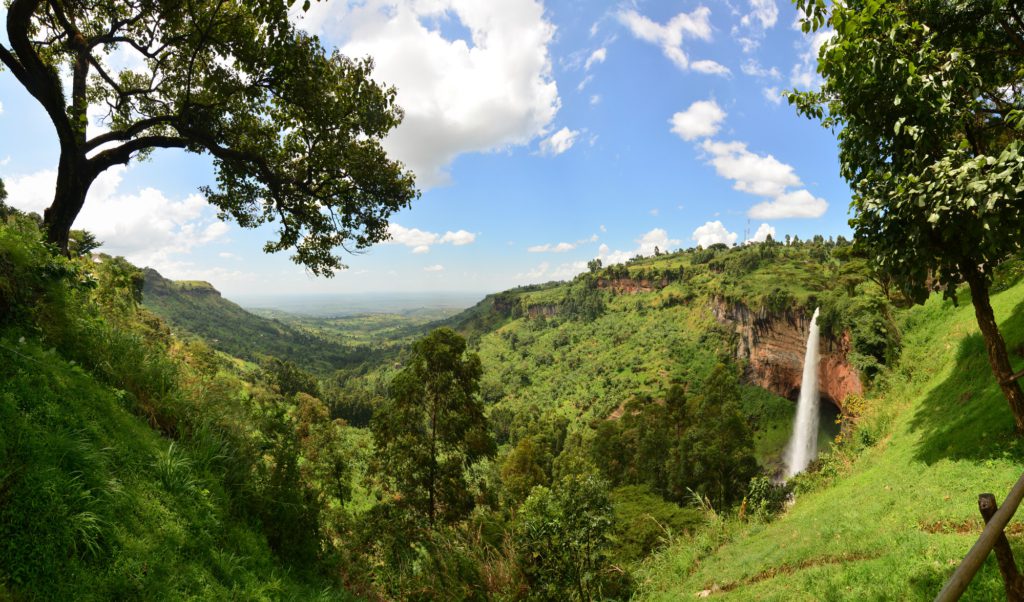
<point x="129" y="132"/>
<point x="42" y="82"/>
<point x="14" y="65"/>
<point x="122" y="154"/>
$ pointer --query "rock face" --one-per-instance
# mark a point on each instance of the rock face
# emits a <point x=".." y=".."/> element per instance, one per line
<point x="773" y="346"/>
<point x="548" y="310"/>
<point x="506" y="305"/>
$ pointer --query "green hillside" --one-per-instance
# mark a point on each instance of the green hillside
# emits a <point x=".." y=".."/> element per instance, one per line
<point x="631" y="460"/>
<point x="198" y="308"/>
<point x="889" y="514"/>
<point x="96" y="505"/>
<point x="138" y="466"/>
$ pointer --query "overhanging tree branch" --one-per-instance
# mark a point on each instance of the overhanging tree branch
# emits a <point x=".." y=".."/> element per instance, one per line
<point x="41" y="81"/>
<point x="122" y="154"/>
<point x="295" y="132"/>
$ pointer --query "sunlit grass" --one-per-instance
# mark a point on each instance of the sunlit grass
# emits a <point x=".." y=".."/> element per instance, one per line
<point x="893" y="522"/>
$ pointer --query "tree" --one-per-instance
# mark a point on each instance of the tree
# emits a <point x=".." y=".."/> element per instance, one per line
<point x="522" y="470"/>
<point x="294" y="132"/>
<point x="928" y="99"/>
<point x="562" y="535"/>
<point x="4" y="210"/>
<point x="82" y="242"/>
<point x="432" y="427"/>
<point x="717" y="451"/>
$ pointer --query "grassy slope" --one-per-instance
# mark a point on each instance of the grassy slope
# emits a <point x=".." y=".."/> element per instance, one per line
<point x="903" y="515"/>
<point x="95" y="505"/>
<point x="198" y="308"/>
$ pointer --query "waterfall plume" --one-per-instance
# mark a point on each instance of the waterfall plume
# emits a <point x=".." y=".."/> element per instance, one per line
<point x="803" y="445"/>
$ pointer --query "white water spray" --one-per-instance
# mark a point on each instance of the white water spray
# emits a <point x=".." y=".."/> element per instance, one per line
<point x="803" y="445"/>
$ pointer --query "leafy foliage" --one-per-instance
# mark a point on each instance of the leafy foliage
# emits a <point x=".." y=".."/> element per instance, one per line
<point x="95" y="501"/>
<point x="433" y="428"/>
<point x="928" y="100"/>
<point x="294" y="131"/>
<point x="563" y="534"/>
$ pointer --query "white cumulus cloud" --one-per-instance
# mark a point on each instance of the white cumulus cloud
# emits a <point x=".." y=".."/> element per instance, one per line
<point x="772" y="95"/>
<point x="798" y="203"/>
<point x="669" y="37"/>
<point x="762" y="234"/>
<point x="710" y="68"/>
<point x="561" y="247"/>
<point x="146" y="227"/>
<point x="434" y="268"/>
<point x="762" y="12"/>
<point x="559" y="142"/>
<point x="700" y="120"/>
<point x="420" y="241"/>
<point x="766" y="176"/>
<point x="486" y="93"/>
<point x="657" y="238"/>
<point x="763" y="175"/>
<point x="712" y="233"/>
<point x="754" y="69"/>
<point x="458" y="238"/>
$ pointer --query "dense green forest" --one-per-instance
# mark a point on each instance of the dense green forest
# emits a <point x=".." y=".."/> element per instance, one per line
<point x="616" y="436"/>
<point x="275" y="466"/>
<point x="616" y="442"/>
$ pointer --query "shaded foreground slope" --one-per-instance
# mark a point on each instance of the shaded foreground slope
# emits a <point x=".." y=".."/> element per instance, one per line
<point x="891" y="521"/>
<point x="96" y="505"/>
<point x="133" y="465"/>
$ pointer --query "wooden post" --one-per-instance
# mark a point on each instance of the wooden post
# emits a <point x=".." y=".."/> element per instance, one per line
<point x="1004" y="555"/>
<point x="963" y="574"/>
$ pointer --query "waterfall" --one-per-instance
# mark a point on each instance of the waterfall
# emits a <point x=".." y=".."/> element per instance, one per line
<point x="803" y="445"/>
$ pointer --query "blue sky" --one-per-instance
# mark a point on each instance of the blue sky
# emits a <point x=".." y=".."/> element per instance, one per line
<point x="543" y="134"/>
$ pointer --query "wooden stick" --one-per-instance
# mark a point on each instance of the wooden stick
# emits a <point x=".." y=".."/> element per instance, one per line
<point x="1004" y="555"/>
<point x="1014" y="377"/>
<point x="969" y="566"/>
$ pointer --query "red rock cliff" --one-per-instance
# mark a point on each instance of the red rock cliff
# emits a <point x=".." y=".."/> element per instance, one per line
<point x="773" y="346"/>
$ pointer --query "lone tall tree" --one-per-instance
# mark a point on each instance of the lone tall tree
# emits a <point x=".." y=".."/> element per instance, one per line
<point x="432" y="428"/>
<point x="294" y="132"/>
<point x="928" y="100"/>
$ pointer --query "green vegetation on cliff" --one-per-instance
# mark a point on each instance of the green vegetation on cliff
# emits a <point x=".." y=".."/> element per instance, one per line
<point x="890" y="512"/>
<point x="144" y="464"/>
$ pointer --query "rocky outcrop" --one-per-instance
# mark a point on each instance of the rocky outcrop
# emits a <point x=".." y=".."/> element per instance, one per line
<point x="773" y="347"/>
<point x="548" y="310"/>
<point x="155" y="284"/>
<point x="507" y="305"/>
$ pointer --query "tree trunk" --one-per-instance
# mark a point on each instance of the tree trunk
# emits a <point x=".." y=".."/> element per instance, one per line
<point x="73" y="183"/>
<point x="998" y="358"/>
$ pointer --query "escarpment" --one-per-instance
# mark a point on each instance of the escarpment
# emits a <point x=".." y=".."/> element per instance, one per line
<point x="773" y="344"/>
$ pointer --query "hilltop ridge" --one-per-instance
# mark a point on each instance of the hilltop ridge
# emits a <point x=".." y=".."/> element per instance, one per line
<point x="197" y="308"/>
